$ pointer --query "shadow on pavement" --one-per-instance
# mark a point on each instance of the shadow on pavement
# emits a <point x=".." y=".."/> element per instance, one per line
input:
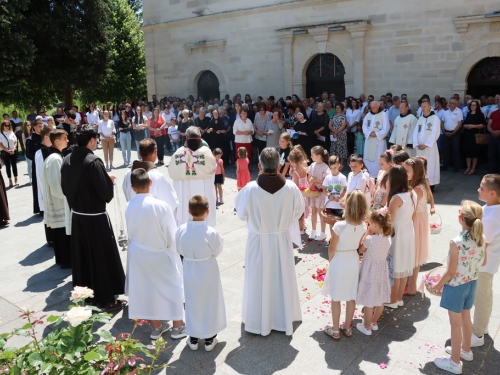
<point x="40" y="255"/>
<point x="31" y="220"/>
<point x="46" y="280"/>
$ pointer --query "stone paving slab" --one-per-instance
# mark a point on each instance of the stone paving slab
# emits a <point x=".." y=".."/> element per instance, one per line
<point x="407" y="342"/>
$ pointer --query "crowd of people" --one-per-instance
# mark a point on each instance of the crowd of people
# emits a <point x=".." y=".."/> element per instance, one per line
<point x="377" y="213"/>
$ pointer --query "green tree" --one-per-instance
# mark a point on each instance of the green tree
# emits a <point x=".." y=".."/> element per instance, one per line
<point x="127" y="61"/>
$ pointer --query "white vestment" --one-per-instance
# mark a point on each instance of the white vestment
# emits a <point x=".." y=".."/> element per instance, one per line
<point x="154" y="269"/>
<point x="200" y="244"/>
<point x="160" y="189"/>
<point x="193" y="173"/>
<point x="378" y="123"/>
<point x="270" y="293"/>
<point x="39" y="178"/>
<point x="426" y="133"/>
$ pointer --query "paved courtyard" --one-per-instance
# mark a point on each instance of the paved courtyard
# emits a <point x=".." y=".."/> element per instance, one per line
<point x="407" y="342"/>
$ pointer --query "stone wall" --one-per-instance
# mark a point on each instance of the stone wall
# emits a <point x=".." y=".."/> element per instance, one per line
<point x="412" y="47"/>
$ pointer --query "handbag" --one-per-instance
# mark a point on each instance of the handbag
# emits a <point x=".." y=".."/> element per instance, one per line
<point x="482" y="138"/>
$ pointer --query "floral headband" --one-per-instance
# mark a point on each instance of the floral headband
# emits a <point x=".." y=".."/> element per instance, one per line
<point x="390" y="152"/>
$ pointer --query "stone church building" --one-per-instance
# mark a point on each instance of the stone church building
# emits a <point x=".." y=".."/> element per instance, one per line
<point x="210" y="48"/>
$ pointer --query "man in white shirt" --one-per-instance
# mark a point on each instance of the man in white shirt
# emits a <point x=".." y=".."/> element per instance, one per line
<point x="78" y="118"/>
<point x="43" y="117"/>
<point x="494" y="107"/>
<point x="451" y="125"/>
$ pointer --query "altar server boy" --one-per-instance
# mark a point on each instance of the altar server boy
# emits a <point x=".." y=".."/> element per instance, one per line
<point x="200" y="244"/>
<point x="154" y="269"/>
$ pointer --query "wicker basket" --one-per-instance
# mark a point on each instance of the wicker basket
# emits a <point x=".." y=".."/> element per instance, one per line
<point x="430" y="279"/>
<point x="311" y="193"/>
<point x="436" y="227"/>
<point x="329" y="218"/>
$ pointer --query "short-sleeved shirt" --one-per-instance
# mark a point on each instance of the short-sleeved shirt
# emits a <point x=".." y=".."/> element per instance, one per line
<point x="220" y="163"/>
<point x="495" y="120"/>
<point x="452" y="118"/>
<point x="491" y="224"/>
<point x="356" y="182"/>
<point x="470" y="257"/>
<point x="334" y="185"/>
<point x="174" y="132"/>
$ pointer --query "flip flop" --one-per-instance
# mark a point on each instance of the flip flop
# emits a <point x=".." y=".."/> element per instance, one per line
<point x="118" y="304"/>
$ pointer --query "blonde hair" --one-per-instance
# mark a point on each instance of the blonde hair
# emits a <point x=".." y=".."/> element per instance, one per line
<point x="301" y="149"/>
<point x="472" y="214"/>
<point x="356" y="207"/>
<point x="295" y="156"/>
<point x="320" y="151"/>
<point x="242" y="153"/>
<point x="288" y="138"/>
<point x="492" y="182"/>
<point x="384" y="221"/>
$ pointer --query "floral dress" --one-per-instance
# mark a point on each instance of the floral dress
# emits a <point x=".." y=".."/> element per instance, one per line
<point x="317" y="172"/>
<point x="339" y="147"/>
<point x="470" y="258"/>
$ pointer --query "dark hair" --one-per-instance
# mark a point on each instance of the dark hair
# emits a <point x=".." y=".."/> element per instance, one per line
<point x="341" y="105"/>
<point x="147" y="147"/>
<point x="398" y="181"/>
<point x="45" y="132"/>
<point x="387" y="156"/>
<point x="217" y="151"/>
<point x="139" y="178"/>
<point x="334" y="159"/>
<point x="243" y="110"/>
<point x="71" y="114"/>
<point x="198" y="205"/>
<point x="84" y="135"/>
<point x="400" y="157"/>
<point x="396" y="148"/>
<point x="56" y="134"/>
<point x="318" y="150"/>
<point x="356" y="159"/>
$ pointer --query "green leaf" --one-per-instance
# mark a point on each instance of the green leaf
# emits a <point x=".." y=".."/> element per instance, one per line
<point x="91" y="356"/>
<point x="80" y="346"/>
<point x="52" y="318"/>
<point x="78" y="331"/>
<point x="27" y="326"/>
<point x="35" y="359"/>
<point x="15" y="370"/>
<point x="46" y="367"/>
<point x="106" y="335"/>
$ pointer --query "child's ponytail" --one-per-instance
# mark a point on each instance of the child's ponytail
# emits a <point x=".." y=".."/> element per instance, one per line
<point x="472" y="214"/>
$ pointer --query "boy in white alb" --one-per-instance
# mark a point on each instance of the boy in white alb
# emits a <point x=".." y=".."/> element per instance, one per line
<point x="154" y="269"/>
<point x="489" y="192"/>
<point x="200" y="244"/>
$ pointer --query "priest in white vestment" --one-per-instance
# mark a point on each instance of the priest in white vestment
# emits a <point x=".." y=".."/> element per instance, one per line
<point x="154" y="282"/>
<point x="425" y="137"/>
<point x="192" y="169"/>
<point x="270" y="206"/>
<point x="404" y="125"/>
<point x="375" y="128"/>
<point x="161" y="188"/>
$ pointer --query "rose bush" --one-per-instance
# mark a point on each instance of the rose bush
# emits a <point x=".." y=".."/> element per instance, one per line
<point x="73" y="348"/>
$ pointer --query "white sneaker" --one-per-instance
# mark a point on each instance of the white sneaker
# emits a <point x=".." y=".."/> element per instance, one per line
<point x="211" y="346"/>
<point x="312" y="236"/>
<point x="401" y="303"/>
<point x="192" y="346"/>
<point x="157" y="332"/>
<point x="476" y="341"/>
<point x="179" y="333"/>
<point x="374" y="326"/>
<point x="321" y="237"/>
<point x="392" y="305"/>
<point x="465" y="356"/>
<point x="361" y="328"/>
<point x="447" y="365"/>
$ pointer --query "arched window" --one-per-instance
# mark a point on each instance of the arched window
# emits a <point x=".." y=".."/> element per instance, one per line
<point x="484" y="78"/>
<point x="208" y="86"/>
<point x="325" y="73"/>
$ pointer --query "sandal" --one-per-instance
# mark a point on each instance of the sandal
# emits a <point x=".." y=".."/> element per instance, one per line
<point x="347" y="332"/>
<point x="16" y="183"/>
<point x="10" y="182"/>
<point x="467" y="171"/>
<point x="408" y="294"/>
<point x="330" y="332"/>
<point x="472" y="171"/>
<point x="118" y="304"/>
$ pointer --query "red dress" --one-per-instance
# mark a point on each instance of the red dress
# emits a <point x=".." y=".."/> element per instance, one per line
<point x="243" y="173"/>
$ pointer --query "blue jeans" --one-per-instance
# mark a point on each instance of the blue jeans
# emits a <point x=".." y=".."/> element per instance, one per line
<point x="175" y="145"/>
<point x="137" y="148"/>
<point x="126" y="145"/>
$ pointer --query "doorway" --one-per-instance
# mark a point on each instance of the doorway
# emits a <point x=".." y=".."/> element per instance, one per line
<point x="484" y="78"/>
<point x="325" y="73"/>
<point x="208" y="85"/>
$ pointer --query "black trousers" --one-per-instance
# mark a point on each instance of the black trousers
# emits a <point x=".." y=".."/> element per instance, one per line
<point x="49" y="232"/>
<point x="62" y="246"/>
<point x="260" y="145"/>
<point x="10" y="162"/>
<point x="451" y="150"/>
<point x="351" y="140"/>
<point x="160" y="144"/>
<point x="494" y="155"/>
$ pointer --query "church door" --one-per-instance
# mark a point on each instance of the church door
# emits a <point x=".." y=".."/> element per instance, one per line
<point x="325" y="73"/>
<point x="484" y="78"/>
<point x="208" y="85"/>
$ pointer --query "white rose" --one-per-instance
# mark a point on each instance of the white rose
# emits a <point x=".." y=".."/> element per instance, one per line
<point x="81" y="293"/>
<point x="77" y="315"/>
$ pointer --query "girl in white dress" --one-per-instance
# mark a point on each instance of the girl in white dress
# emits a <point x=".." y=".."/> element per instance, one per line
<point x="402" y="203"/>
<point x="341" y="281"/>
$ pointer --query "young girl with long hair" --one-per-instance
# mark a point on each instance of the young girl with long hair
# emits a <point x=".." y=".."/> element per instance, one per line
<point x="382" y="186"/>
<point x="317" y="172"/>
<point x="242" y="172"/>
<point x="299" y="176"/>
<point x="466" y="256"/>
<point x="402" y="203"/>
<point x="374" y="288"/>
<point x="341" y="281"/>
<point x="416" y="177"/>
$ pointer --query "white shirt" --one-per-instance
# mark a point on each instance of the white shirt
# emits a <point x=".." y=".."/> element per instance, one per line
<point x="240" y="126"/>
<point x="78" y="120"/>
<point x="93" y="117"/>
<point x="8" y="139"/>
<point x="106" y="127"/>
<point x="334" y="185"/>
<point x="491" y="224"/>
<point x="17" y="121"/>
<point x="451" y="119"/>
<point x="353" y="116"/>
<point x="168" y="117"/>
<point x="172" y="130"/>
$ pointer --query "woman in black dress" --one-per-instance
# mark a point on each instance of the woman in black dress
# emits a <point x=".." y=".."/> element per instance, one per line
<point x="320" y="121"/>
<point x="473" y="124"/>
<point x="306" y="134"/>
<point x="217" y="134"/>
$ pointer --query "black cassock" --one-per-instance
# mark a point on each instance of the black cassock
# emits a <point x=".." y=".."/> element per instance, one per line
<point x="33" y="144"/>
<point x="95" y="257"/>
